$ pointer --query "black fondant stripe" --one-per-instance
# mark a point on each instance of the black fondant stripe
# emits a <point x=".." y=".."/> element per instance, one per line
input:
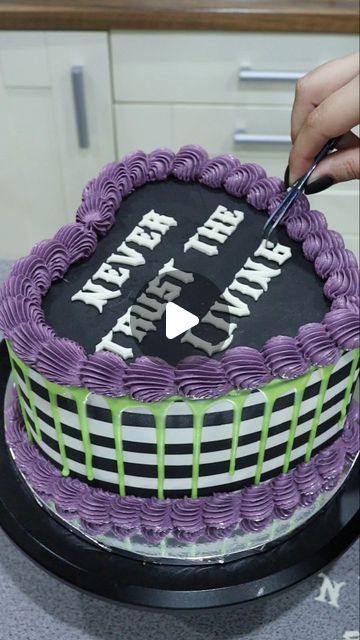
<point x="39" y="390"/>
<point x="18" y="370"/>
<point x="207" y="491"/>
<point x="311" y="391"/>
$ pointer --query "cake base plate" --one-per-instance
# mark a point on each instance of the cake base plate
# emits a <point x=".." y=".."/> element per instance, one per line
<point x="173" y="587"/>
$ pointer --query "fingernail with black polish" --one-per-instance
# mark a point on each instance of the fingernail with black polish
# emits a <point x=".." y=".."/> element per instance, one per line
<point x="324" y="182"/>
<point x="286" y="177"/>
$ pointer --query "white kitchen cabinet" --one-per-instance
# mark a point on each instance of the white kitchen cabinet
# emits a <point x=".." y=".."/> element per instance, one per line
<point x="174" y="88"/>
<point x="144" y="90"/>
<point x="42" y="167"/>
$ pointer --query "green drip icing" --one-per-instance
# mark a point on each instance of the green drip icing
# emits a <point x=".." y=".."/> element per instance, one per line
<point x="198" y="408"/>
<point x="59" y="433"/>
<point x="349" y="387"/>
<point x="271" y="395"/>
<point x="80" y="396"/>
<point x="300" y="386"/>
<point x="326" y="373"/>
<point x="117" y="406"/>
<point x="159" y="411"/>
<point x="238" y="408"/>
<point x="33" y="407"/>
<point x="21" y="400"/>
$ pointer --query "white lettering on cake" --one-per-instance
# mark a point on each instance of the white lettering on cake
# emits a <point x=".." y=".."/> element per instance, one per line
<point x="275" y="253"/>
<point x="220" y="225"/>
<point x="234" y="305"/>
<point x="112" y="276"/>
<point x="97" y="295"/>
<point x="254" y="272"/>
<point x="206" y="345"/>
<point x="219" y="323"/>
<point x="137" y="321"/>
<point x="157" y="222"/>
<point x="127" y="255"/>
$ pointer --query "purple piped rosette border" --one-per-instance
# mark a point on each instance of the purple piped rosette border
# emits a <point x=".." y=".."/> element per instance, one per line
<point x="212" y="518"/>
<point x="150" y="379"/>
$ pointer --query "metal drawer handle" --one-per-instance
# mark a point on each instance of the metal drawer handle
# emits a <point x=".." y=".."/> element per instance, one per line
<point x="261" y="138"/>
<point x="77" y="80"/>
<point x="246" y="73"/>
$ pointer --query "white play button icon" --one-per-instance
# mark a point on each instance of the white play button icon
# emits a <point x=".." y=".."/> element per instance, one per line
<point x="178" y="320"/>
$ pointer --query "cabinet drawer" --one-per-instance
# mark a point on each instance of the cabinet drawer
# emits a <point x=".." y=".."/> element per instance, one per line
<point x="150" y="126"/>
<point x="204" y="67"/>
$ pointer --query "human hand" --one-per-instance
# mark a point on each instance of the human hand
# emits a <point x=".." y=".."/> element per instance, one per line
<point x="326" y="106"/>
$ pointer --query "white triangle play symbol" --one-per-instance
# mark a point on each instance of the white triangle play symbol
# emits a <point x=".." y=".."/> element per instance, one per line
<point x="178" y="320"/>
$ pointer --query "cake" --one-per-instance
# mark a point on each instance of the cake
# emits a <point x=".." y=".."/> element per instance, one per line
<point x="230" y="430"/>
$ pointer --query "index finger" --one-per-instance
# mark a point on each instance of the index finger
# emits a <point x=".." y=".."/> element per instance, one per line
<point x="317" y="85"/>
<point x="336" y="115"/>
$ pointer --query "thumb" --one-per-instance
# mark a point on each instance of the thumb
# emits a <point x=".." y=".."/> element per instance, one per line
<point x="337" y="167"/>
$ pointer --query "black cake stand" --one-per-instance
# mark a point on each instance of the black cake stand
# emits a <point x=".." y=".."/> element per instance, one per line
<point x="164" y="586"/>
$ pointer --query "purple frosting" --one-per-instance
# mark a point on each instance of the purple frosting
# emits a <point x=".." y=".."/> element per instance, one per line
<point x="344" y="282"/>
<point x="19" y="286"/>
<point x="308" y="481"/>
<point x="29" y="338"/>
<point x="138" y="166"/>
<point x="257" y="507"/>
<point x="243" y="179"/>
<point x="332" y="260"/>
<point x="67" y="493"/>
<point x="343" y="326"/>
<point x="94" y="511"/>
<point x="55" y="256"/>
<point x="106" y="190"/>
<point x="284" y="358"/>
<point x="187" y="519"/>
<point x="217" y="169"/>
<point x="17" y="310"/>
<point x="155" y="519"/>
<point x="42" y="476"/>
<point x="160" y="164"/>
<point x="347" y="302"/>
<point x="316" y="344"/>
<point x="119" y="174"/>
<point x="35" y="269"/>
<point x="351" y="432"/>
<point x="61" y="361"/>
<point x="149" y="379"/>
<point x="200" y="377"/>
<point x="79" y="241"/>
<point x="189" y="162"/>
<point x="96" y="213"/>
<point x="319" y="241"/>
<point x="245" y="368"/>
<point x="298" y="226"/>
<point x="125" y="515"/>
<point x="330" y="461"/>
<point x="103" y="373"/>
<point x="264" y="191"/>
<point x="285" y="494"/>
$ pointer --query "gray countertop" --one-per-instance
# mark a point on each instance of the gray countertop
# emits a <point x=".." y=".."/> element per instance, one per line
<point x="36" y="606"/>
